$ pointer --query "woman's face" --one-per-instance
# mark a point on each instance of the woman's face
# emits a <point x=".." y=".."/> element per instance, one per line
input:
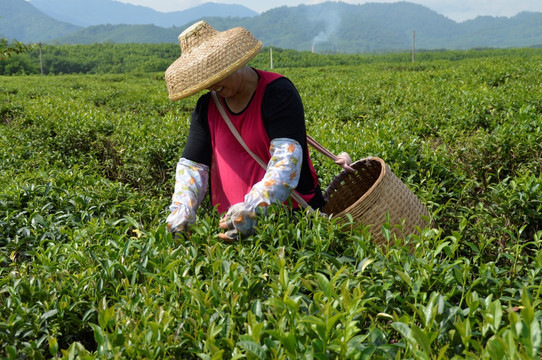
<point x="221" y="89"/>
<point x="227" y="87"/>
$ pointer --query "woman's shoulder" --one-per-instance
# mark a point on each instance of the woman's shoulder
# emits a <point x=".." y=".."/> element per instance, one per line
<point x="204" y="99"/>
<point x="202" y="107"/>
<point x="282" y="88"/>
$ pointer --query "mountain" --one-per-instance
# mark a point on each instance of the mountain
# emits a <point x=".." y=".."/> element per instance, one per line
<point x="325" y="27"/>
<point x="121" y="34"/>
<point x="98" y="12"/>
<point x="342" y="27"/>
<point x="522" y="30"/>
<point x="338" y="26"/>
<point x="22" y="21"/>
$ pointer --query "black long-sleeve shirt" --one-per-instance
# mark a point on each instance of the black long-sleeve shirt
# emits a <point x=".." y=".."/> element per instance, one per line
<point x="283" y="117"/>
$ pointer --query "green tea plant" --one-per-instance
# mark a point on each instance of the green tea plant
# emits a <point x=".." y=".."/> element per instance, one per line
<point x="88" y="269"/>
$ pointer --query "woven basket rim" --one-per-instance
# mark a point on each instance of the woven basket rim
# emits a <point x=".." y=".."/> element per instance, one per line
<point x="371" y="189"/>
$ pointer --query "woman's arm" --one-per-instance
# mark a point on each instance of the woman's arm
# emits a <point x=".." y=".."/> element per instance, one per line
<point x="192" y="173"/>
<point x="191" y="181"/>
<point x="281" y="177"/>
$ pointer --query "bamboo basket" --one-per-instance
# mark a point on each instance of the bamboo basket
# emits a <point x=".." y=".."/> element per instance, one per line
<point x="371" y="193"/>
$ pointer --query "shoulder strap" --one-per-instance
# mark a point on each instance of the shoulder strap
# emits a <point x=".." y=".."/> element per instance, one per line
<point x="232" y="128"/>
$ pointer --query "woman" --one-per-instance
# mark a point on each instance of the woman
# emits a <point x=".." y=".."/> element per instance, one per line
<point x="265" y="109"/>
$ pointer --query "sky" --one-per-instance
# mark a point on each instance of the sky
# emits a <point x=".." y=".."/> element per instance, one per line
<point x="458" y="10"/>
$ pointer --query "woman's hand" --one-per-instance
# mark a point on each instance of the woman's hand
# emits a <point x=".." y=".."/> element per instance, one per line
<point x="240" y="219"/>
<point x="344" y="160"/>
<point x="281" y="176"/>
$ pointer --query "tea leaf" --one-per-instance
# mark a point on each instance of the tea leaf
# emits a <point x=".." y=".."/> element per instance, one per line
<point x="49" y="314"/>
<point x="253" y="348"/>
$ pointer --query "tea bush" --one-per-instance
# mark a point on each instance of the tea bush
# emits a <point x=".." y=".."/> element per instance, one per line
<point x="88" y="269"/>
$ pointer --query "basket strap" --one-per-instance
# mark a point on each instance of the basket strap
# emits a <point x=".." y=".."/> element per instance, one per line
<point x="232" y="128"/>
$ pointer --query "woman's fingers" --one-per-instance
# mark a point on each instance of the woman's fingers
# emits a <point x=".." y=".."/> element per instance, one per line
<point x="344" y="160"/>
<point x="226" y="223"/>
<point x="229" y="236"/>
<point x="223" y="236"/>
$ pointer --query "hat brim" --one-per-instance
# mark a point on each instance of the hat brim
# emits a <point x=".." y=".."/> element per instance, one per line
<point x="212" y="78"/>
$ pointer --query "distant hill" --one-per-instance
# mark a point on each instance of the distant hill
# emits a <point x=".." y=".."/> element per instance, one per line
<point x="342" y="27"/>
<point x="22" y="21"/>
<point x="99" y="12"/>
<point x="121" y="34"/>
<point x="325" y="27"/>
<point x="522" y="30"/>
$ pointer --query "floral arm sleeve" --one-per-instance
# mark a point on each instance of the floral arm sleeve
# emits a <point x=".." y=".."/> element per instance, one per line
<point x="190" y="186"/>
<point x="281" y="177"/>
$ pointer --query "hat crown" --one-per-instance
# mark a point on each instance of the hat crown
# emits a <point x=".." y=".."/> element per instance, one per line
<point x="195" y="35"/>
<point x="207" y="57"/>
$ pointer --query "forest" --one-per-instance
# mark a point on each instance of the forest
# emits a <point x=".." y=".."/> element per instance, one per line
<point x="111" y="58"/>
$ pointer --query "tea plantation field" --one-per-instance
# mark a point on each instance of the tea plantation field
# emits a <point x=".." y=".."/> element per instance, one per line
<point x="88" y="270"/>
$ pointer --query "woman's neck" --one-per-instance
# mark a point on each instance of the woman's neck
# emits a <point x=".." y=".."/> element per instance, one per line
<point x="248" y="78"/>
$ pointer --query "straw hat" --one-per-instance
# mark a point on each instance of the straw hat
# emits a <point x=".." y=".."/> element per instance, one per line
<point x="208" y="56"/>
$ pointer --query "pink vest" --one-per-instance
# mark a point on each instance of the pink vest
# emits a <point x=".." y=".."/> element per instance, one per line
<point x="233" y="170"/>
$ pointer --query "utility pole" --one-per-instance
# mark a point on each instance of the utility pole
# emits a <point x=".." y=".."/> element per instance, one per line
<point x="41" y="60"/>
<point x="413" y="43"/>
<point x="271" y="56"/>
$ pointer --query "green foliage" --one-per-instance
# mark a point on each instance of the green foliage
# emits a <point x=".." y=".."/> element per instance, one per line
<point x="88" y="270"/>
<point x="8" y="49"/>
<point x="96" y="58"/>
<point x="110" y="58"/>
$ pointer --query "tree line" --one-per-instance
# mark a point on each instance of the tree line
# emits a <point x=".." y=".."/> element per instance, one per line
<point x="111" y="58"/>
<point x="8" y="49"/>
<point x="97" y="58"/>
